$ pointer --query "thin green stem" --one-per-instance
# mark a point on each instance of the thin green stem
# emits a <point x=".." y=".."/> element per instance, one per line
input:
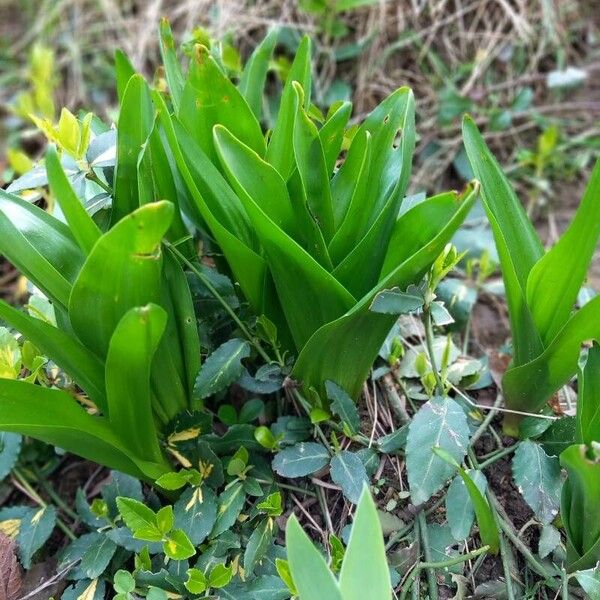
<point x="190" y="265"/>
<point x="429" y="571"/>
<point x="430" y="348"/>
<point x="497" y="456"/>
<point x="55" y="497"/>
<point x="455" y="560"/>
<point x="92" y="176"/>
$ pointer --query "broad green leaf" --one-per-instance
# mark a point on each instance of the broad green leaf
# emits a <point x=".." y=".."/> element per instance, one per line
<point x="34" y="532"/>
<point x="249" y="174"/>
<point x="488" y="529"/>
<point x="589" y="580"/>
<point x="280" y="152"/>
<point x="518" y="245"/>
<point x="248" y="267"/>
<point x="300" y="460"/>
<point x="68" y="426"/>
<point x="348" y="471"/>
<point x="128" y="363"/>
<point x="124" y="71"/>
<point x="529" y="386"/>
<point x="135" y="123"/>
<point x="459" y="507"/>
<point x="40" y="246"/>
<point x="84" y="229"/>
<point x="196" y="582"/>
<point x="97" y="557"/>
<point x="196" y="513"/>
<point x="439" y="423"/>
<point x="550" y="539"/>
<point x="537" y="477"/>
<point x="396" y="302"/>
<point x="221" y="368"/>
<point x="310" y="572"/>
<point x="254" y="76"/>
<point x="231" y="502"/>
<point x="175" y="79"/>
<point x="220" y="576"/>
<point x="332" y="135"/>
<point x="257" y="545"/>
<point x="123" y="271"/>
<point x="579" y="507"/>
<point x="178" y="546"/>
<point x="555" y="280"/>
<point x="140" y="519"/>
<point x="332" y="353"/>
<point x="210" y="98"/>
<point x="312" y="167"/>
<point x="65" y="350"/>
<point x="588" y="397"/>
<point x="365" y="572"/>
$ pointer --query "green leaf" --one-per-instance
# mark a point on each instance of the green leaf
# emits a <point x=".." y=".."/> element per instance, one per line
<point x="68" y="426"/>
<point x="589" y="580"/>
<point x="439" y="423"/>
<point x="310" y="573"/>
<point x="549" y="540"/>
<point x="196" y="513"/>
<point x="257" y="545"/>
<point x="140" y="519"/>
<point x="65" y="350"/>
<point x="519" y="246"/>
<point x="40" y="246"/>
<point x="344" y="407"/>
<point x="301" y="460"/>
<point x="165" y="519"/>
<point x="129" y="252"/>
<point x="231" y="502"/>
<point x="529" y="386"/>
<point x="396" y="302"/>
<point x="220" y="576"/>
<point x="97" y="557"/>
<point x="280" y="152"/>
<point x="555" y="280"/>
<point x="124" y="71"/>
<point x="365" y="572"/>
<point x="128" y="363"/>
<point x="84" y="229"/>
<point x="312" y="167"/>
<point x="34" y="531"/>
<point x="254" y="76"/>
<point x="588" y="397"/>
<point x="175" y="79"/>
<point x="135" y="123"/>
<point x="537" y="476"/>
<point x="332" y="134"/>
<point x="221" y="368"/>
<point x="196" y="582"/>
<point x="348" y="471"/>
<point x="459" y="507"/>
<point x="10" y="447"/>
<point x="210" y="98"/>
<point x="488" y="528"/>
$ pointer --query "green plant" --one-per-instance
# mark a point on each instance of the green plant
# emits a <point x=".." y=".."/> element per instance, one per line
<point x="126" y="330"/>
<point x="364" y="572"/>
<point x="580" y="502"/>
<point x="310" y="244"/>
<point x="541" y="287"/>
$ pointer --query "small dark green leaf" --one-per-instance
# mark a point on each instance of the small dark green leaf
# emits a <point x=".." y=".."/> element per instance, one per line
<point x="300" y="460"/>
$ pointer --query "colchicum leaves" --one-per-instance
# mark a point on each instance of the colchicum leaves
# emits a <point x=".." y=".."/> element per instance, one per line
<point x="541" y="287"/>
<point x="309" y="238"/>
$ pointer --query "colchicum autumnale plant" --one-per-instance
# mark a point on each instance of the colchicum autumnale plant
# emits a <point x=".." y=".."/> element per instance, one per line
<point x="580" y="502"/>
<point x="310" y="239"/>
<point x="541" y="287"/>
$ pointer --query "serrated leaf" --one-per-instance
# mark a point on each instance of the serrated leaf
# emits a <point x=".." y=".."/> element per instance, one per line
<point x="221" y="368"/>
<point x="178" y="546"/>
<point x="196" y="513"/>
<point x="301" y="460"/>
<point x="348" y="471"/>
<point x="34" y="532"/>
<point x="140" y="519"/>
<point x="439" y="423"/>
<point x="537" y="477"/>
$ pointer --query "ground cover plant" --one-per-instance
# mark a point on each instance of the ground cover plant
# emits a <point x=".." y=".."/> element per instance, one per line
<point x="286" y="356"/>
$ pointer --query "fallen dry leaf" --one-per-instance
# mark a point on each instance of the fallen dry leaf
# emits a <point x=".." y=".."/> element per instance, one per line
<point x="10" y="570"/>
